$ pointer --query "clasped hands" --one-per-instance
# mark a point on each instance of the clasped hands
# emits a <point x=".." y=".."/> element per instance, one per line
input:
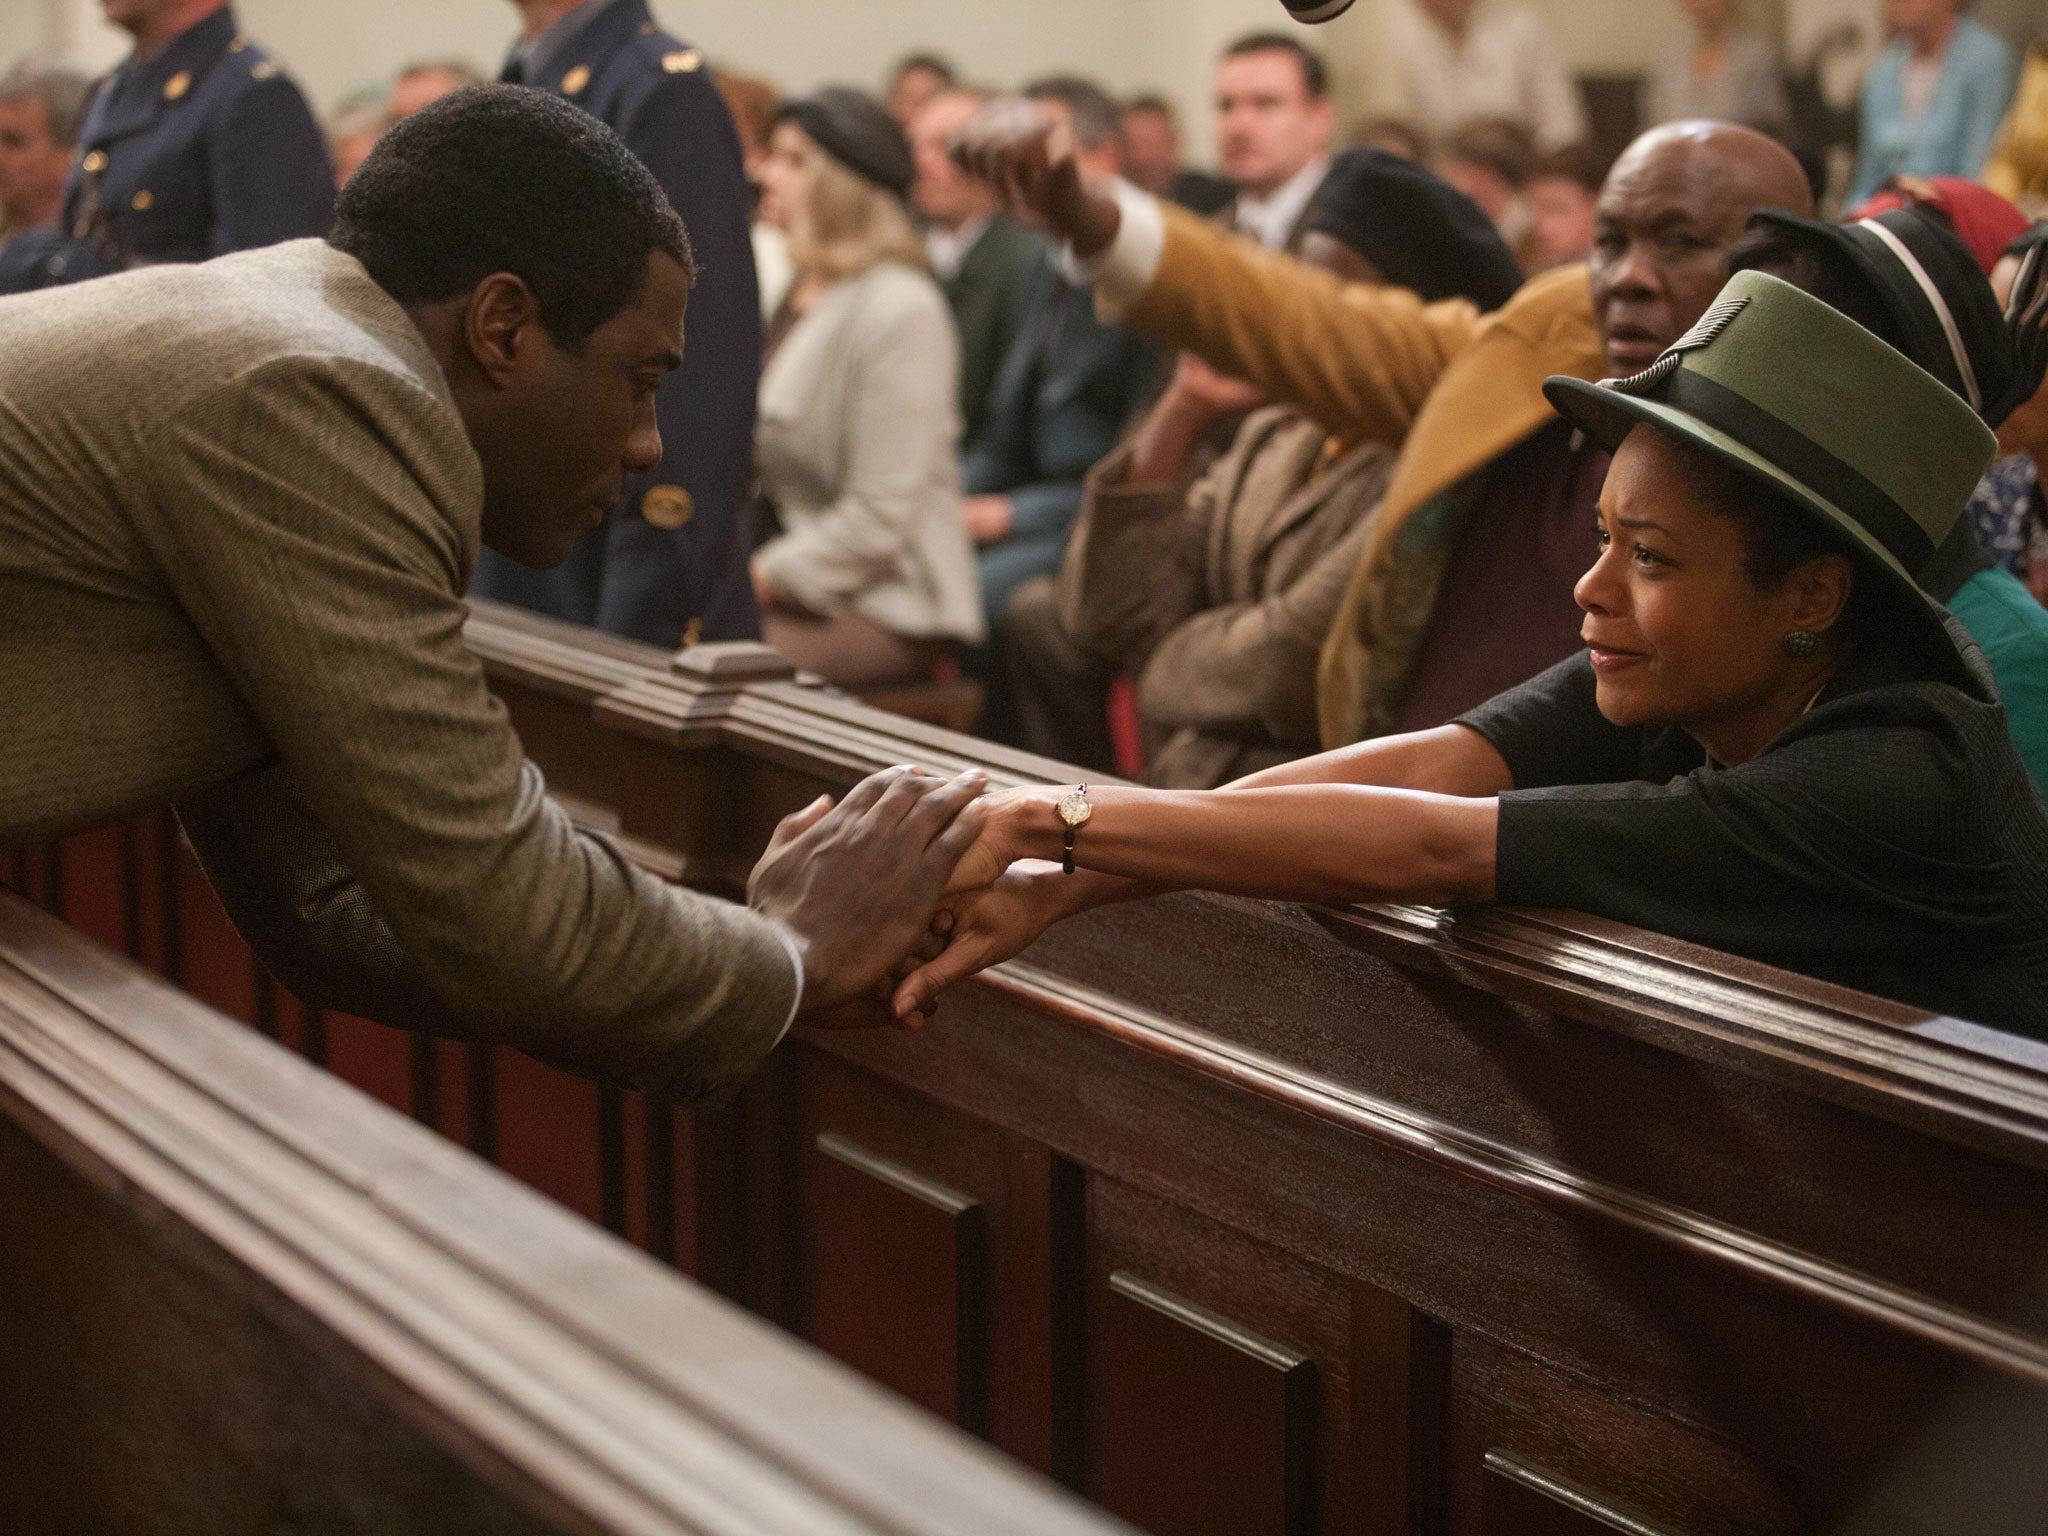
<point x="905" y="886"/>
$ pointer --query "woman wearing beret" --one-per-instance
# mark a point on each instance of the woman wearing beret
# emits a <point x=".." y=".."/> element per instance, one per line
<point x="871" y="577"/>
<point x="1773" y="744"/>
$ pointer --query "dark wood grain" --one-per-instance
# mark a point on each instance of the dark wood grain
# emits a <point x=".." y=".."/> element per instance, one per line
<point x="238" y="1297"/>
<point x="1537" y="1220"/>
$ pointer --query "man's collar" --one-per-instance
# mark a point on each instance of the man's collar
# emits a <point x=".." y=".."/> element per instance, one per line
<point x="537" y="53"/>
<point x="197" y="44"/>
<point x="1275" y="216"/>
<point x="949" y="248"/>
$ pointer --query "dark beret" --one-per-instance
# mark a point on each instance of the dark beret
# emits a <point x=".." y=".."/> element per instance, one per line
<point x="1419" y="230"/>
<point x="854" y="129"/>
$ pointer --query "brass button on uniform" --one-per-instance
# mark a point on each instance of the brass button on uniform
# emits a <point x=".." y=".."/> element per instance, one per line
<point x="263" y="71"/>
<point x="143" y="201"/>
<point x="177" y="85"/>
<point x="682" y="61"/>
<point x="238" y="45"/>
<point x="574" y="81"/>
<point x="667" y="506"/>
<point x="94" y="163"/>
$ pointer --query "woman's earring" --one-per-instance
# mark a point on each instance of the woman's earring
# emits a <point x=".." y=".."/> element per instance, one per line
<point x="1802" y="644"/>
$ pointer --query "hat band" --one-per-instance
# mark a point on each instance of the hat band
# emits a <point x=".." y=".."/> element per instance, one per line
<point x="1790" y="450"/>
<point x="1931" y="291"/>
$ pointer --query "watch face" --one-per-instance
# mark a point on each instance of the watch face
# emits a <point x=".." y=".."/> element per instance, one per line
<point x="1074" y="807"/>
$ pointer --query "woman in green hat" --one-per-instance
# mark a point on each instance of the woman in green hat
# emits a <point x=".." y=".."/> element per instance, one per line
<point x="1773" y="743"/>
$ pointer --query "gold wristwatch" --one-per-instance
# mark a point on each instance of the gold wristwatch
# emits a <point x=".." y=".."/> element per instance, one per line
<point x="1074" y="809"/>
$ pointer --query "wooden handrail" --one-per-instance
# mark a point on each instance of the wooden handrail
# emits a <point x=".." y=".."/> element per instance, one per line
<point x="574" y="1379"/>
<point x="1978" y="1086"/>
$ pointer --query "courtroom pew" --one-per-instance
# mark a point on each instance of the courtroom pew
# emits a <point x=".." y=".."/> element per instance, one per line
<point x="237" y="1297"/>
<point x="1240" y="1218"/>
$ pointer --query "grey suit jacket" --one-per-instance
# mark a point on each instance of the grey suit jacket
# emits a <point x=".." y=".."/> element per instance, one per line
<point x="237" y="513"/>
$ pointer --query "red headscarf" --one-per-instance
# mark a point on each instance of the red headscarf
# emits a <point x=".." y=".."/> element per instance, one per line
<point x="1986" y="222"/>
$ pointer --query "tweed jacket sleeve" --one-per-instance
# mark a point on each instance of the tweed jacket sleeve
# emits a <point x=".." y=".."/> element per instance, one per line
<point x="306" y="517"/>
<point x="1358" y="359"/>
<point x="1132" y="569"/>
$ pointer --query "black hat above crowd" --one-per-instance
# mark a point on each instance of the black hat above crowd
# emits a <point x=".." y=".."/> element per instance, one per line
<point x="858" y="132"/>
<point x="1419" y="230"/>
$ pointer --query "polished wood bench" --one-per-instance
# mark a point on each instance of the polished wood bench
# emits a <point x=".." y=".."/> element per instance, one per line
<point x="236" y="1296"/>
<point x="1239" y="1217"/>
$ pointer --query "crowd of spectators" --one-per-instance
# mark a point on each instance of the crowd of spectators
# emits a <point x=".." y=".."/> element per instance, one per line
<point x="938" y="379"/>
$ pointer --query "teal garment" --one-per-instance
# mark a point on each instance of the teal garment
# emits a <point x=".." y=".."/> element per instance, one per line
<point x="2012" y="631"/>
<point x="1954" y="136"/>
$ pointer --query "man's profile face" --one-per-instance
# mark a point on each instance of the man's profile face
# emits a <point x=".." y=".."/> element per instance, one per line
<point x="1665" y="223"/>
<point x="32" y="164"/>
<point x="570" y="426"/>
<point x="422" y="88"/>
<point x="1268" y="127"/>
<point x="131" y="14"/>
<point x="1151" y="149"/>
<point x="943" y="192"/>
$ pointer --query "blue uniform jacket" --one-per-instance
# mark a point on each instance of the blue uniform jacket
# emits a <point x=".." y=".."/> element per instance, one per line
<point x="206" y="149"/>
<point x="669" y="585"/>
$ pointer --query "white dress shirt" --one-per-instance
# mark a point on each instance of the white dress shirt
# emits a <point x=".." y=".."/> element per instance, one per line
<point x="1270" y="220"/>
<point x="947" y="248"/>
<point x="1505" y="66"/>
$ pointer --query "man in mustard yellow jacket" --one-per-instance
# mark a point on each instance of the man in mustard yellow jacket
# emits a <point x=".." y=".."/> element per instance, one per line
<point x="1466" y="587"/>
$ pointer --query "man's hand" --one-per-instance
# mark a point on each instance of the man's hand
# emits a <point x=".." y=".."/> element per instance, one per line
<point x="1010" y="145"/>
<point x="1204" y="390"/>
<point x="988" y="518"/>
<point x="988" y="927"/>
<point x="856" y="884"/>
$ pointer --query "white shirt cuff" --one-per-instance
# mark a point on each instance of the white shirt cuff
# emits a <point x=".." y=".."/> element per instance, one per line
<point x="796" y="964"/>
<point x="1124" y="269"/>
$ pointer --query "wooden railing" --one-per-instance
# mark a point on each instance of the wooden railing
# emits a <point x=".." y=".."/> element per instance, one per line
<point x="1243" y="1218"/>
<point x="238" y="1297"/>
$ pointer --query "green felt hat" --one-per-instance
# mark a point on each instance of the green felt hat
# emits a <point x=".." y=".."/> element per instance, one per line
<point x="1790" y="391"/>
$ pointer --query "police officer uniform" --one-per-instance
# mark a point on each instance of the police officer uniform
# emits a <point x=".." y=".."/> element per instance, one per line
<point x="669" y="565"/>
<point x="206" y="148"/>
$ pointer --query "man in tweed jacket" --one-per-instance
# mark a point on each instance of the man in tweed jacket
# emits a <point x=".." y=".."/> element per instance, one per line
<point x="239" y="503"/>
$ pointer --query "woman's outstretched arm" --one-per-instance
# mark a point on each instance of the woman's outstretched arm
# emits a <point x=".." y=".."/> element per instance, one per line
<point x="1287" y="842"/>
<point x="1406" y="817"/>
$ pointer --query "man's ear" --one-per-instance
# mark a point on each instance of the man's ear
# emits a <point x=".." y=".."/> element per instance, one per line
<point x="499" y="324"/>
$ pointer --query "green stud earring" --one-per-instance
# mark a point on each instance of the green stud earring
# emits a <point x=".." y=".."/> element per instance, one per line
<point x="1802" y="644"/>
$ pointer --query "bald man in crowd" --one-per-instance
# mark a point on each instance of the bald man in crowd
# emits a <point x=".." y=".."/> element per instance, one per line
<point x="1466" y="588"/>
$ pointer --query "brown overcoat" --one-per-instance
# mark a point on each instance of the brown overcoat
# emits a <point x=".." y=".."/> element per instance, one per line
<point x="1451" y="388"/>
<point x="1217" y="591"/>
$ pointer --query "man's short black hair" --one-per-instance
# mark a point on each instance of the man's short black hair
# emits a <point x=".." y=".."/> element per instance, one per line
<point x="1096" y="117"/>
<point x="930" y="63"/>
<point x="500" y="178"/>
<point x="1315" y="75"/>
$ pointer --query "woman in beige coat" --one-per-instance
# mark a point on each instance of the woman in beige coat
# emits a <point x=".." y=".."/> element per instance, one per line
<point x="872" y="575"/>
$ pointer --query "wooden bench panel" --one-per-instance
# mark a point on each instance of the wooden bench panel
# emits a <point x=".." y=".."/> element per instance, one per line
<point x="1532" y="1221"/>
<point x="237" y="1296"/>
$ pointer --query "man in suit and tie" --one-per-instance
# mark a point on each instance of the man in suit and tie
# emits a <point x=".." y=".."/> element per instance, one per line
<point x="239" y="503"/>
<point x="984" y="259"/>
<point x="1273" y="124"/>
<point x="196" y="145"/>
<point x="669" y="565"/>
